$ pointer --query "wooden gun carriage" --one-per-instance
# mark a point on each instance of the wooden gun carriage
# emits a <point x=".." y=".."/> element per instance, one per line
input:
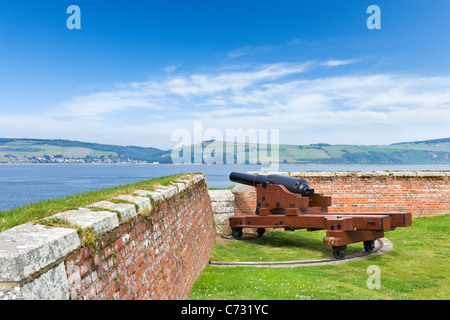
<point x="284" y="206"/>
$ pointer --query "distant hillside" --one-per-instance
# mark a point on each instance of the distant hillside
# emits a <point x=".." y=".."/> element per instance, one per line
<point x="19" y="150"/>
<point x="404" y="153"/>
<point x="435" y="151"/>
<point x="422" y="152"/>
<point x="434" y="141"/>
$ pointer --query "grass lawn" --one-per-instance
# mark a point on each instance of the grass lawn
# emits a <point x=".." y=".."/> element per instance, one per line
<point x="416" y="268"/>
<point x="43" y="209"/>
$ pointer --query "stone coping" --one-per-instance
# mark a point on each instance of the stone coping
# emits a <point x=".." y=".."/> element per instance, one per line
<point x="27" y="249"/>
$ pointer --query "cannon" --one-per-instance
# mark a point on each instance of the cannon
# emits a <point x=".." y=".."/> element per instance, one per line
<point x="290" y="203"/>
<point x="294" y="185"/>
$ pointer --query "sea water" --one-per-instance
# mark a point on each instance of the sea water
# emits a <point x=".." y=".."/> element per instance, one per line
<point x="26" y="183"/>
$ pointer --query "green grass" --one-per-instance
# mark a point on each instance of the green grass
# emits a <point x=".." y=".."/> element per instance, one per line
<point x="300" y="154"/>
<point x="422" y="146"/>
<point x="43" y="209"/>
<point x="97" y="153"/>
<point x="227" y="188"/>
<point x="416" y="268"/>
<point x="277" y="245"/>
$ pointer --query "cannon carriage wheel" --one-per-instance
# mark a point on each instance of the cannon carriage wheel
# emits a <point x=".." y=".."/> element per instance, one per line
<point x="236" y="233"/>
<point x="369" y="246"/>
<point x="260" y="231"/>
<point x="339" y="252"/>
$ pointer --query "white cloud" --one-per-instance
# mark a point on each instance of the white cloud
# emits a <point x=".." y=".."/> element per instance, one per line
<point x="353" y="109"/>
<point x="334" y="63"/>
<point x="247" y="50"/>
<point x="210" y="84"/>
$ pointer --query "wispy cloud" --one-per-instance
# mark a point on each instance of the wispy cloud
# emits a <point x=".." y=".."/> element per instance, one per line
<point x="359" y="109"/>
<point x="175" y="91"/>
<point x="247" y="50"/>
<point x="334" y="63"/>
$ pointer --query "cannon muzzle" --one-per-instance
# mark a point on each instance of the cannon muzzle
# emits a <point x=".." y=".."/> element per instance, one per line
<point x="295" y="185"/>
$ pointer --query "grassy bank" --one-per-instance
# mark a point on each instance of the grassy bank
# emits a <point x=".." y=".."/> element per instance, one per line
<point x="43" y="209"/>
<point x="416" y="268"/>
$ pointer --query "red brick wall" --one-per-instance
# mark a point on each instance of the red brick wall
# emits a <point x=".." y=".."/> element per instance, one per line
<point x="422" y="194"/>
<point x="158" y="257"/>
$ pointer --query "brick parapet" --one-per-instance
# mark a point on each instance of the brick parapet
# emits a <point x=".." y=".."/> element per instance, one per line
<point x="423" y="193"/>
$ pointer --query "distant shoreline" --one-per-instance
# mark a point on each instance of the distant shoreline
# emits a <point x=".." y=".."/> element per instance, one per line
<point x="47" y="151"/>
<point x="224" y="164"/>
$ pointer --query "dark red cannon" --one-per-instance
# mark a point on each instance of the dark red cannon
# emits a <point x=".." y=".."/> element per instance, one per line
<point x="290" y="203"/>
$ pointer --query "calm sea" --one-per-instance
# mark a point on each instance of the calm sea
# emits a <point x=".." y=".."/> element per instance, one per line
<point x="21" y="184"/>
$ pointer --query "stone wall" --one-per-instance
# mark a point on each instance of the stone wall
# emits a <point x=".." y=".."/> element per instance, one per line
<point x="222" y="204"/>
<point x="154" y="245"/>
<point x="423" y="193"/>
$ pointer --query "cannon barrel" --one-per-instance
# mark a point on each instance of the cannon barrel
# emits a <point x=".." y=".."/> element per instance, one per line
<point x="295" y="185"/>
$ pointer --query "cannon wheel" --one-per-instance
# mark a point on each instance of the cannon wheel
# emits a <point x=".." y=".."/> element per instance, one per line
<point x="260" y="231"/>
<point x="236" y="233"/>
<point x="339" y="252"/>
<point x="369" y="246"/>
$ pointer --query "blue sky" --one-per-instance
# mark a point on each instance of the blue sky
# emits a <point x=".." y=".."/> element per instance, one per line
<point x="137" y="71"/>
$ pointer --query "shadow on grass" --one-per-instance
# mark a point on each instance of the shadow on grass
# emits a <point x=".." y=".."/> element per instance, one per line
<point x="277" y="245"/>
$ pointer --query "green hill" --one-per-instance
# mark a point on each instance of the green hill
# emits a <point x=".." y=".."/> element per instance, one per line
<point x="418" y="152"/>
<point x="62" y="151"/>
<point x="423" y="152"/>
<point x="23" y="150"/>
